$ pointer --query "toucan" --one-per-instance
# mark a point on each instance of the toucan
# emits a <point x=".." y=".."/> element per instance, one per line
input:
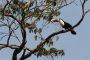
<point x="65" y="25"/>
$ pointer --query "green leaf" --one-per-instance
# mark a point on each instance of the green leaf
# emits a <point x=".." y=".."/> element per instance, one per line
<point x="30" y="30"/>
<point x="35" y="30"/>
<point x="35" y="37"/>
<point x="61" y="52"/>
<point x="15" y="1"/>
<point x="40" y="30"/>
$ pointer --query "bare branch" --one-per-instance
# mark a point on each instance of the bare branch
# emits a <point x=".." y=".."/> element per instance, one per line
<point x="18" y="49"/>
<point x="83" y="14"/>
<point x="12" y="47"/>
<point x="59" y="32"/>
<point x="66" y="4"/>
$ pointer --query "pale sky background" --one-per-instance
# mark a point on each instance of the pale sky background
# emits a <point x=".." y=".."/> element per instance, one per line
<point x="76" y="47"/>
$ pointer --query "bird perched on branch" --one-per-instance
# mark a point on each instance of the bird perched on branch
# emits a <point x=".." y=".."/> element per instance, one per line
<point x="65" y="25"/>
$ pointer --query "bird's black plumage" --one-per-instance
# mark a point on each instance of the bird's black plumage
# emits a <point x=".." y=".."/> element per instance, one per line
<point x="67" y="26"/>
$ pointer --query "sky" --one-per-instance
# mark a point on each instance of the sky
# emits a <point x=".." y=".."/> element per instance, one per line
<point x="76" y="47"/>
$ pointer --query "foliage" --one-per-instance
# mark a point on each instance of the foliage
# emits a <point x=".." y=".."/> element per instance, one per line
<point x="19" y="16"/>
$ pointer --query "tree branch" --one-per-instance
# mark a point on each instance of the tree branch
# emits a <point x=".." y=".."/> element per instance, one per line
<point x="17" y="51"/>
<point x="59" y="32"/>
<point x="12" y="47"/>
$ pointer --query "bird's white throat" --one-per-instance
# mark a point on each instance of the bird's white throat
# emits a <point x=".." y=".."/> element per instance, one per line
<point x="62" y="23"/>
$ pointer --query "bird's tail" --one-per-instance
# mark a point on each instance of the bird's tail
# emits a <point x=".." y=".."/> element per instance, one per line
<point x="73" y="32"/>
